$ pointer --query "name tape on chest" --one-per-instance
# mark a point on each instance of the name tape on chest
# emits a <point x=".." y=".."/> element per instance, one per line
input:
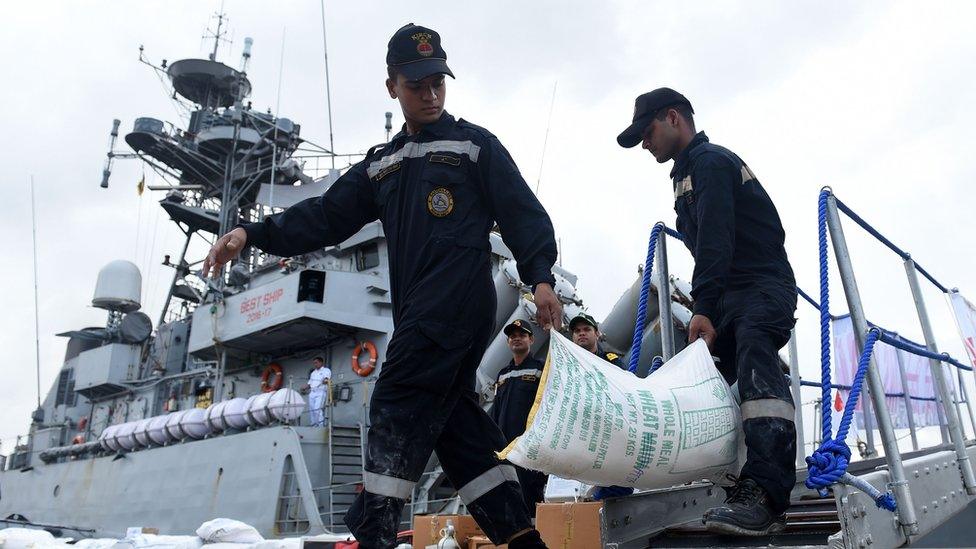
<point x="420" y="150"/>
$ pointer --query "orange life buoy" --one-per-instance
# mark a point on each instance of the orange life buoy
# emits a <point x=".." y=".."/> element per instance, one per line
<point x="79" y="439"/>
<point x="356" y="366"/>
<point x="268" y="384"/>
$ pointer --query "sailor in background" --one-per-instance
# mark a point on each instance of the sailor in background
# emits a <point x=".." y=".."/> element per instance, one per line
<point x="514" y="395"/>
<point x="586" y="334"/>
<point x="317" y="387"/>
<point x="439" y="186"/>
<point x="745" y="297"/>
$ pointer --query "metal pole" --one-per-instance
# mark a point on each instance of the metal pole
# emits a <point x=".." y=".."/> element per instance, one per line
<point x="899" y="484"/>
<point x="908" y="400"/>
<point x="176" y="276"/>
<point x="940" y="414"/>
<point x="37" y="311"/>
<point x="867" y="412"/>
<point x="941" y="387"/>
<point x="664" y="298"/>
<point x="969" y="403"/>
<point x="219" y="383"/>
<point x="797" y="399"/>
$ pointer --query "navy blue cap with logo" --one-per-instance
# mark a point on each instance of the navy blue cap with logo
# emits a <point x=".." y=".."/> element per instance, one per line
<point x="646" y="106"/>
<point x="585" y="319"/>
<point x="517" y="325"/>
<point x="416" y="53"/>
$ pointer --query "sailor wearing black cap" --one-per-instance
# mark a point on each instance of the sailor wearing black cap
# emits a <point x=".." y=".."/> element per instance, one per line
<point x="439" y="186"/>
<point x="515" y="392"/>
<point x="744" y="294"/>
<point x="586" y="334"/>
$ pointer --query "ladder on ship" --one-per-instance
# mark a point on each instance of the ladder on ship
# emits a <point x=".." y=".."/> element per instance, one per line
<point x="932" y="490"/>
<point x="346" y="444"/>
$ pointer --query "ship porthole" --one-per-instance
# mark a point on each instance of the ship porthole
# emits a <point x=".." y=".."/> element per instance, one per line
<point x="57" y="490"/>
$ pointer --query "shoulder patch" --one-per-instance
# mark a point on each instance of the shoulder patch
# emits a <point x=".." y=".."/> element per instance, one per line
<point x="747" y="174"/>
<point x="682" y="187"/>
<point x="612" y="356"/>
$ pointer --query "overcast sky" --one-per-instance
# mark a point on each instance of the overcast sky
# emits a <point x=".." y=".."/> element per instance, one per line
<point x="874" y="99"/>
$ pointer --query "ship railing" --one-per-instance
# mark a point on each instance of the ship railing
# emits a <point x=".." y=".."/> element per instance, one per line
<point x="909" y="524"/>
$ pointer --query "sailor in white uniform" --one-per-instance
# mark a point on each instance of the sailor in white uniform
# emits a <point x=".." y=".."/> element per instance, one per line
<point x="317" y="387"/>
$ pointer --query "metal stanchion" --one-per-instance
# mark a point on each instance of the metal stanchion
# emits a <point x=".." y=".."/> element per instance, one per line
<point x="664" y="298"/>
<point x="941" y="387"/>
<point x="797" y="400"/>
<point x="908" y="400"/>
<point x="899" y="483"/>
<point x="964" y="393"/>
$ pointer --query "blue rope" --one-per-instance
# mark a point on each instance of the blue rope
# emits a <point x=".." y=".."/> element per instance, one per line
<point x="843" y="387"/>
<point x="828" y="463"/>
<point x="910" y="346"/>
<point x="635" y="347"/>
<point x="824" y="314"/>
<point x="891" y="246"/>
<point x="655" y="364"/>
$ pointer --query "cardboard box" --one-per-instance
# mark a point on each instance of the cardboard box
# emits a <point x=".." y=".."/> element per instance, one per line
<point x="427" y="528"/>
<point x="132" y="531"/>
<point x="482" y="542"/>
<point x="569" y="525"/>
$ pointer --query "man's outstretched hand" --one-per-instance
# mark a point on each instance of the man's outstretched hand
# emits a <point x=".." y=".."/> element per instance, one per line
<point x="549" y="311"/>
<point x="701" y="327"/>
<point x="226" y="248"/>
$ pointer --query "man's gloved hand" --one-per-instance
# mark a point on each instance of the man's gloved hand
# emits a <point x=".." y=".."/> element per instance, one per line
<point x="604" y="492"/>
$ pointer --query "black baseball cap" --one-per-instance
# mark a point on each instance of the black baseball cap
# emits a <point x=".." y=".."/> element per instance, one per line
<point x="416" y="52"/>
<point x="517" y="325"/>
<point x="645" y="107"/>
<point x="583" y="317"/>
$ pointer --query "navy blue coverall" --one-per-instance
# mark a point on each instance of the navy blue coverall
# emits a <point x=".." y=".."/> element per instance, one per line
<point x="744" y="284"/>
<point x="438" y="194"/>
<point x="514" y="396"/>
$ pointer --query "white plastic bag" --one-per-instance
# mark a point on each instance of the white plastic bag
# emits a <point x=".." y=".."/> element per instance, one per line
<point x="228" y="530"/>
<point x="598" y="424"/>
<point x="28" y="538"/>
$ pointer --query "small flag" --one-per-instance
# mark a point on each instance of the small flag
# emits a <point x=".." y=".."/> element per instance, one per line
<point x="142" y="185"/>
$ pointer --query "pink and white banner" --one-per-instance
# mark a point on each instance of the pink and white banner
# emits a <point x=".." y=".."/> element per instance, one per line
<point x="916" y="369"/>
<point x="965" y="313"/>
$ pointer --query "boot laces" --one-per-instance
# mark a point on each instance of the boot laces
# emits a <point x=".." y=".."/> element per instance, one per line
<point x="746" y="492"/>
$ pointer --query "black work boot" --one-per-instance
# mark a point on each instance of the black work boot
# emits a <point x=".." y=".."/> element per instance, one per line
<point x="528" y="540"/>
<point x="747" y="512"/>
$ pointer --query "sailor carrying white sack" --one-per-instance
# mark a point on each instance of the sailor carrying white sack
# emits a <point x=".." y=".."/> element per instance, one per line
<point x="317" y="387"/>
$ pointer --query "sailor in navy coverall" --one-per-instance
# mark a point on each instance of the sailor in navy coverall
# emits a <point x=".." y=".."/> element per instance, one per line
<point x="515" y="392"/>
<point x="439" y="186"/>
<point x="744" y="294"/>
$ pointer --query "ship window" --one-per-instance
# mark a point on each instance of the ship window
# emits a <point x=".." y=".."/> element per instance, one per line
<point x="311" y="286"/>
<point x="367" y="257"/>
<point x="66" y="388"/>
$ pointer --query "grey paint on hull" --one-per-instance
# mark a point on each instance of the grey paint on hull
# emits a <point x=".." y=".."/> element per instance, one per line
<point x="174" y="488"/>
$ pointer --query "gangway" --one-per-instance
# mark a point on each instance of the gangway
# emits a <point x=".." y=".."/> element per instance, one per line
<point x="927" y="487"/>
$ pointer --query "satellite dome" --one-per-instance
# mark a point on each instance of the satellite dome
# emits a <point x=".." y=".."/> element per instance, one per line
<point x="119" y="287"/>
